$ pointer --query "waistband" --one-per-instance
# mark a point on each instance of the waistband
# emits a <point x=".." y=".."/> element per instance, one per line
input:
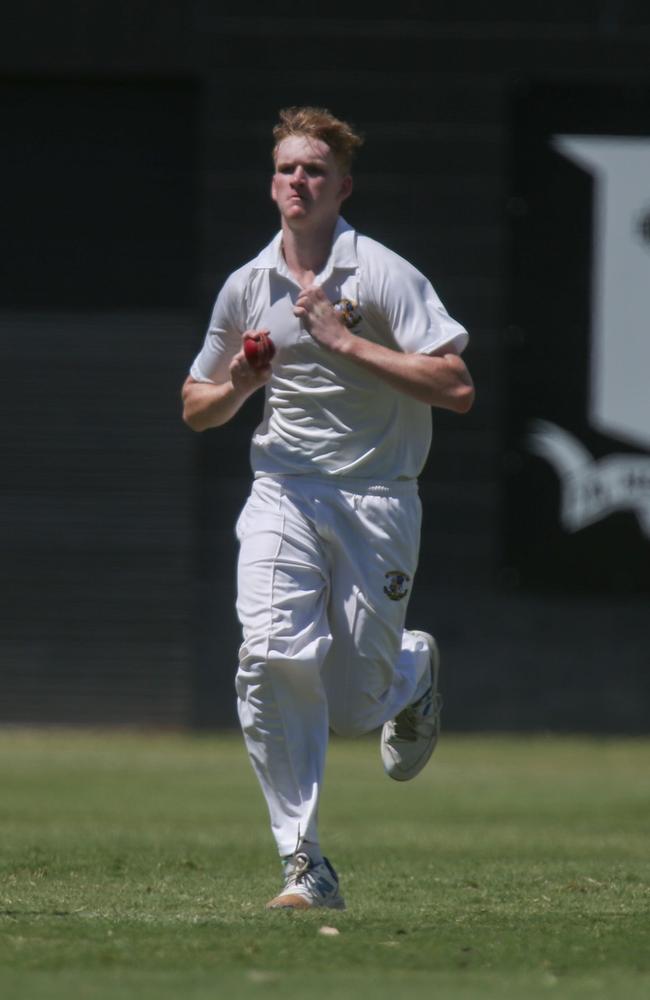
<point x="391" y="488"/>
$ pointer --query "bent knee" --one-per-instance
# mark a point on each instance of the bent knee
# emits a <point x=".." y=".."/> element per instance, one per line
<point x="261" y="655"/>
<point x="348" y="731"/>
<point x="351" y="723"/>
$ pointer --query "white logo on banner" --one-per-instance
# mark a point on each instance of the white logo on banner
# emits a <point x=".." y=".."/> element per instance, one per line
<point x="619" y="403"/>
<point x="619" y="400"/>
<point x="593" y="488"/>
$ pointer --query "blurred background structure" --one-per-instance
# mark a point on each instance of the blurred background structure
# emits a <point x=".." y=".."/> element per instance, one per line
<point x="508" y="156"/>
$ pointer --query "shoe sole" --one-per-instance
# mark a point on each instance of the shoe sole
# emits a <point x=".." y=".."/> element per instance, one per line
<point x="434" y="666"/>
<point x="296" y="902"/>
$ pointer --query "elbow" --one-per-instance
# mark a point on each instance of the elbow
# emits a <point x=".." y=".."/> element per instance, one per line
<point x="459" y="391"/>
<point x="187" y="414"/>
<point x="192" y="421"/>
<point x="464" y="399"/>
<point x="191" y="418"/>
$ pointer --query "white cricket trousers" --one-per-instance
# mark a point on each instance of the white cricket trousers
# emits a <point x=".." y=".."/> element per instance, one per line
<point x="325" y="573"/>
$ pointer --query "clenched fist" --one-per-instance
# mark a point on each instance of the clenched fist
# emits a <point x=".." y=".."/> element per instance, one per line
<point x="247" y="377"/>
<point x="317" y="314"/>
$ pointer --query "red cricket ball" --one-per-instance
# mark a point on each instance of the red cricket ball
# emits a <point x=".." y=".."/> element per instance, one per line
<point x="259" y="349"/>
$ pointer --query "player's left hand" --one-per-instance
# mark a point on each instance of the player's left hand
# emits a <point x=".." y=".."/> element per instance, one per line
<point x="317" y="314"/>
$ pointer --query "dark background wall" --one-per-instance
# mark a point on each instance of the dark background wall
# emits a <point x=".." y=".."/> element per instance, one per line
<point x="137" y="167"/>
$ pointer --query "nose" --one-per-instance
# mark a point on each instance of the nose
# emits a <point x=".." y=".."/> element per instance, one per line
<point x="298" y="175"/>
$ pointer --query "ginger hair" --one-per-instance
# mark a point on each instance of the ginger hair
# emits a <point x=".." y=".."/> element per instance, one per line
<point x="319" y="123"/>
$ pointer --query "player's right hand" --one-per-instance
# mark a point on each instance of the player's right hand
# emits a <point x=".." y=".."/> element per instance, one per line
<point x="246" y="379"/>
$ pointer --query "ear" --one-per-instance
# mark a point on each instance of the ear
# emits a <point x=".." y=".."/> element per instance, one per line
<point x="273" y="189"/>
<point x="346" y="187"/>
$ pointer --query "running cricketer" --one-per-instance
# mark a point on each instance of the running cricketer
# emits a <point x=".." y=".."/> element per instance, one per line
<point x="361" y="349"/>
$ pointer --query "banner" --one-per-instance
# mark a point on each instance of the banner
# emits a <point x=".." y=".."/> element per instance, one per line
<point x="578" y="345"/>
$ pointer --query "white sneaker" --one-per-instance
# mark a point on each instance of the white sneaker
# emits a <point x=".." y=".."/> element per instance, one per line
<point x="308" y="885"/>
<point x="408" y="740"/>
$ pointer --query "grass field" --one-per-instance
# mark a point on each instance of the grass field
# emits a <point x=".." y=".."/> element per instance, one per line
<point x="137" y="866"/>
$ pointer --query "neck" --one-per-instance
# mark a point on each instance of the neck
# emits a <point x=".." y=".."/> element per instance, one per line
<point x="306" y="252"/>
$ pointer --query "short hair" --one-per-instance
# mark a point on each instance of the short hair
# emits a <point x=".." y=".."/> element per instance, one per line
<point x="319" y="123"/>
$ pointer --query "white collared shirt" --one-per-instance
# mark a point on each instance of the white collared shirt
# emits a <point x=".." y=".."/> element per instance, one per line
<point x="325" y="415"/>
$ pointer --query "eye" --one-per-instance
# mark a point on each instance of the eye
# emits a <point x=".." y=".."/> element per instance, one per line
<point x="314" y="171"/>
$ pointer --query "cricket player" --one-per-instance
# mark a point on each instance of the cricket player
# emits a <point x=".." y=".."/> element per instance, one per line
<point x="329" y="537"/>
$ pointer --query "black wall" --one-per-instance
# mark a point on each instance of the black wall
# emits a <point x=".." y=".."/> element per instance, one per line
<point x="139" y="138"/>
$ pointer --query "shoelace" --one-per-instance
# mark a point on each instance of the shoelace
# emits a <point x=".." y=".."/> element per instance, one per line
<point x="405" y="725"/>
<point x="299" y="868"/>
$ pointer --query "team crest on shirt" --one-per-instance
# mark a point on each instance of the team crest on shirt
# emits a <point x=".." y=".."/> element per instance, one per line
<point x="396" y="586"/>
<point x="348" y="312"/>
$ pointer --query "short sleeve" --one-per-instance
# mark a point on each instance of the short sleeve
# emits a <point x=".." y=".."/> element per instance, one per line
<point x="419" y="322"/>
<point x="223" y="339"/>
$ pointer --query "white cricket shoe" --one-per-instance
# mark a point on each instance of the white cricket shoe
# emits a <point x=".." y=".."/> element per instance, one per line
<point x="308" y="885"/>
<point x="408" y="740"/>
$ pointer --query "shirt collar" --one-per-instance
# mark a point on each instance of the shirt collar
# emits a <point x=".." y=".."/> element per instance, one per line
<point x="342" y="255"/>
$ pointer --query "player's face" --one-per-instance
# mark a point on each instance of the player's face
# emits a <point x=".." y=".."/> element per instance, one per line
<point x="308" y="185"/>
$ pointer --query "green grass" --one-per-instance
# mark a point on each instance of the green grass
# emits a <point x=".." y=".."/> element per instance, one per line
<point x="137" y="866"/>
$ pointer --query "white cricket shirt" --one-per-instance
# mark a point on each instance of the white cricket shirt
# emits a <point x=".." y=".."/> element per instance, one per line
<point x="324" y="415"/>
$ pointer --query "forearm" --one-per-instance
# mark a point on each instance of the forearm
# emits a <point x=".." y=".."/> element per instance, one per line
<point x="208" y="405"/>
<point x="437" y="380"/>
